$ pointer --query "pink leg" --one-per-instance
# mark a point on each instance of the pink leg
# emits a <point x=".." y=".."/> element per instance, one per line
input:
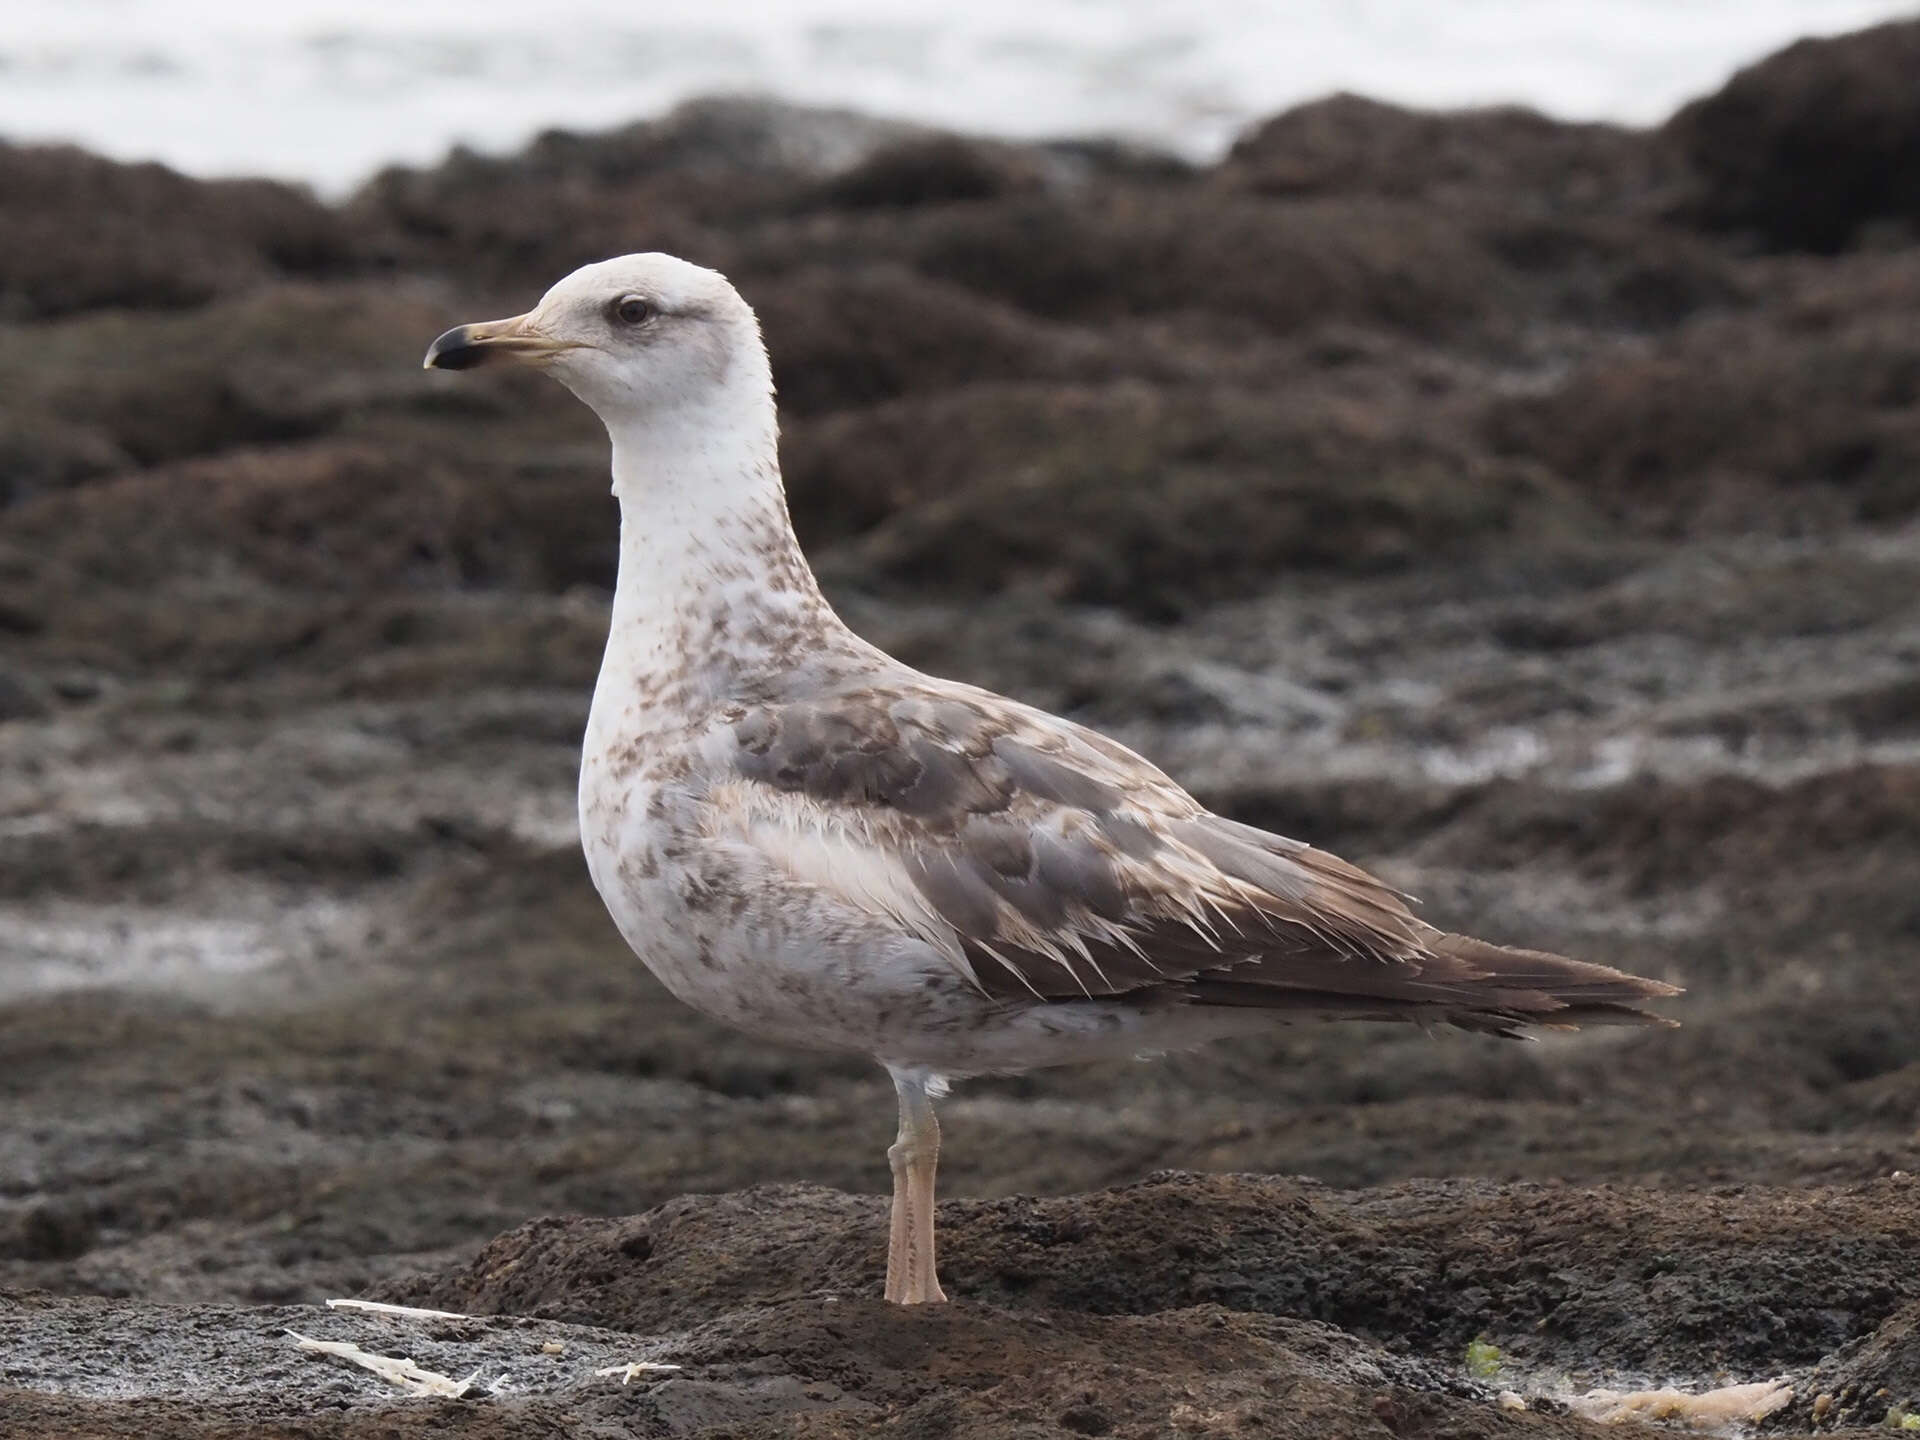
<point x="914" y="1154"/>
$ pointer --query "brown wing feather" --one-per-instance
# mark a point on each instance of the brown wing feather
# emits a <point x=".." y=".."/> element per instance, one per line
<point x="1068" y="868"/>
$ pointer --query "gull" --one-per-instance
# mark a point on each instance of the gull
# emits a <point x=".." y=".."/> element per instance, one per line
<point x="809" y="840"/>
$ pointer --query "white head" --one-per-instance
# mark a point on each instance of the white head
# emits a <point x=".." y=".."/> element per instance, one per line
<point x="642" y="339"/>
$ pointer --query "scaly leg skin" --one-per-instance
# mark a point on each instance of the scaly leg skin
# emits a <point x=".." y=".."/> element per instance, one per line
<point x="910" y="1271"/>
<point x="899" y="1228"/>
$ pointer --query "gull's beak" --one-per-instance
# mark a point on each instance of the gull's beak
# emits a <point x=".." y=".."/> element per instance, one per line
<point x="466" y="346"/>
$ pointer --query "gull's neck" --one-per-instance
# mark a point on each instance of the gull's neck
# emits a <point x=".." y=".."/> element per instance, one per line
<point x="714" y="601"/>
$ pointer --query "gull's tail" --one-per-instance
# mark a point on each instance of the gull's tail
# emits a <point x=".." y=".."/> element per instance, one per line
<point x="1504" y="988"/>
<point x="1450" y="980"/>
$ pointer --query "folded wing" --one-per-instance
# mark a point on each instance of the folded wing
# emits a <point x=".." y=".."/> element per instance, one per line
<point x="1054" y="865"/>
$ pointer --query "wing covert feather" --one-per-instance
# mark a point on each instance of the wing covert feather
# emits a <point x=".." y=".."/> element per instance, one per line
<point x="1059" y="866"/>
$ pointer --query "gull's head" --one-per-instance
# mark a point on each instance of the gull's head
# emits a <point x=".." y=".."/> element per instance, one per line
<point x="633" y="337"/>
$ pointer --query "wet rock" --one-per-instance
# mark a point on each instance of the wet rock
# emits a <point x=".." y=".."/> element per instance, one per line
<point x="1668" y="1289"/>
<point x="19" y="617"/>
<point x="1613" y="273"/>
<point x="731" y="134"/>
<point x="1154" y="501"/>
<point x="46" y="1232"/>
<point x="848" y="338"/>
<point x="79" y="687"/>
<point x="95" y="392"/>
<point x="732" y="137"/>
<point x="829" y="1364"/>
<point x="1870" y="1380"/>
<point x="78" y="232"/>
<point x="1664" y="836"/>
<point x="1512" y="157"/>
<point x="510" y="234"/>
<point x="1815" y="146"/>
<point x="1573" y="206"/>
<point x="941" y="170"/>
<point x="21" y="698"/>
<point x="518" y="222"/>
<point x="1806" y="412"/>
<point x="341" y="516"/>
<point x="1113" y="253"/>
<point x="39" y="453"/>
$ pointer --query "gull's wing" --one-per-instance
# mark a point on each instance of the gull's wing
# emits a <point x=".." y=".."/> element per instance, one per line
<point x="1052" y="864"/>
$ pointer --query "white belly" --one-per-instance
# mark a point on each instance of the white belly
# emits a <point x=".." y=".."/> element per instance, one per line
<point x="729" y="934"/>
<point x="743" y="936"/>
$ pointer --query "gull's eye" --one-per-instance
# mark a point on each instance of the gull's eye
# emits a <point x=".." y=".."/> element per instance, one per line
<point x="633" y="309"/>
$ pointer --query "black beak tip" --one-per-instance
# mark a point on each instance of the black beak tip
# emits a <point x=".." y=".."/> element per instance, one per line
<point x="454" y="350"/>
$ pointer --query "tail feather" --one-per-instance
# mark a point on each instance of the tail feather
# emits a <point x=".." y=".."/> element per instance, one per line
<point x="1558" y="991"/>
<point x="1460" y="981"/>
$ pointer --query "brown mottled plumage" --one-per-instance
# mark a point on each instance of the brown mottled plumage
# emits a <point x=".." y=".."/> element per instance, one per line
<point x="1068" y="868"/>
<point x="805" y="838"/>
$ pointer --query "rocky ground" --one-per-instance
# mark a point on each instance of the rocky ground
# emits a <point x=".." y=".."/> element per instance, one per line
<point x="1528" y="511"/>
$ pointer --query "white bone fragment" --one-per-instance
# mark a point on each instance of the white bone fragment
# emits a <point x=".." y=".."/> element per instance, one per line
<point x="404" y="1373"/>
<point x="637" y="1367"/>
<point x="379" y="1307"/>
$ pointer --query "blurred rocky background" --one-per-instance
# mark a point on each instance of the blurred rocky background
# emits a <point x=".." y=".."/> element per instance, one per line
<point x="1529" y="511"/>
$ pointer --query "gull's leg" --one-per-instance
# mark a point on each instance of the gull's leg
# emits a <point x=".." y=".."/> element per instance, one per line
<point x="913" y="1155"/>
<point x="899" y="1228"/>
